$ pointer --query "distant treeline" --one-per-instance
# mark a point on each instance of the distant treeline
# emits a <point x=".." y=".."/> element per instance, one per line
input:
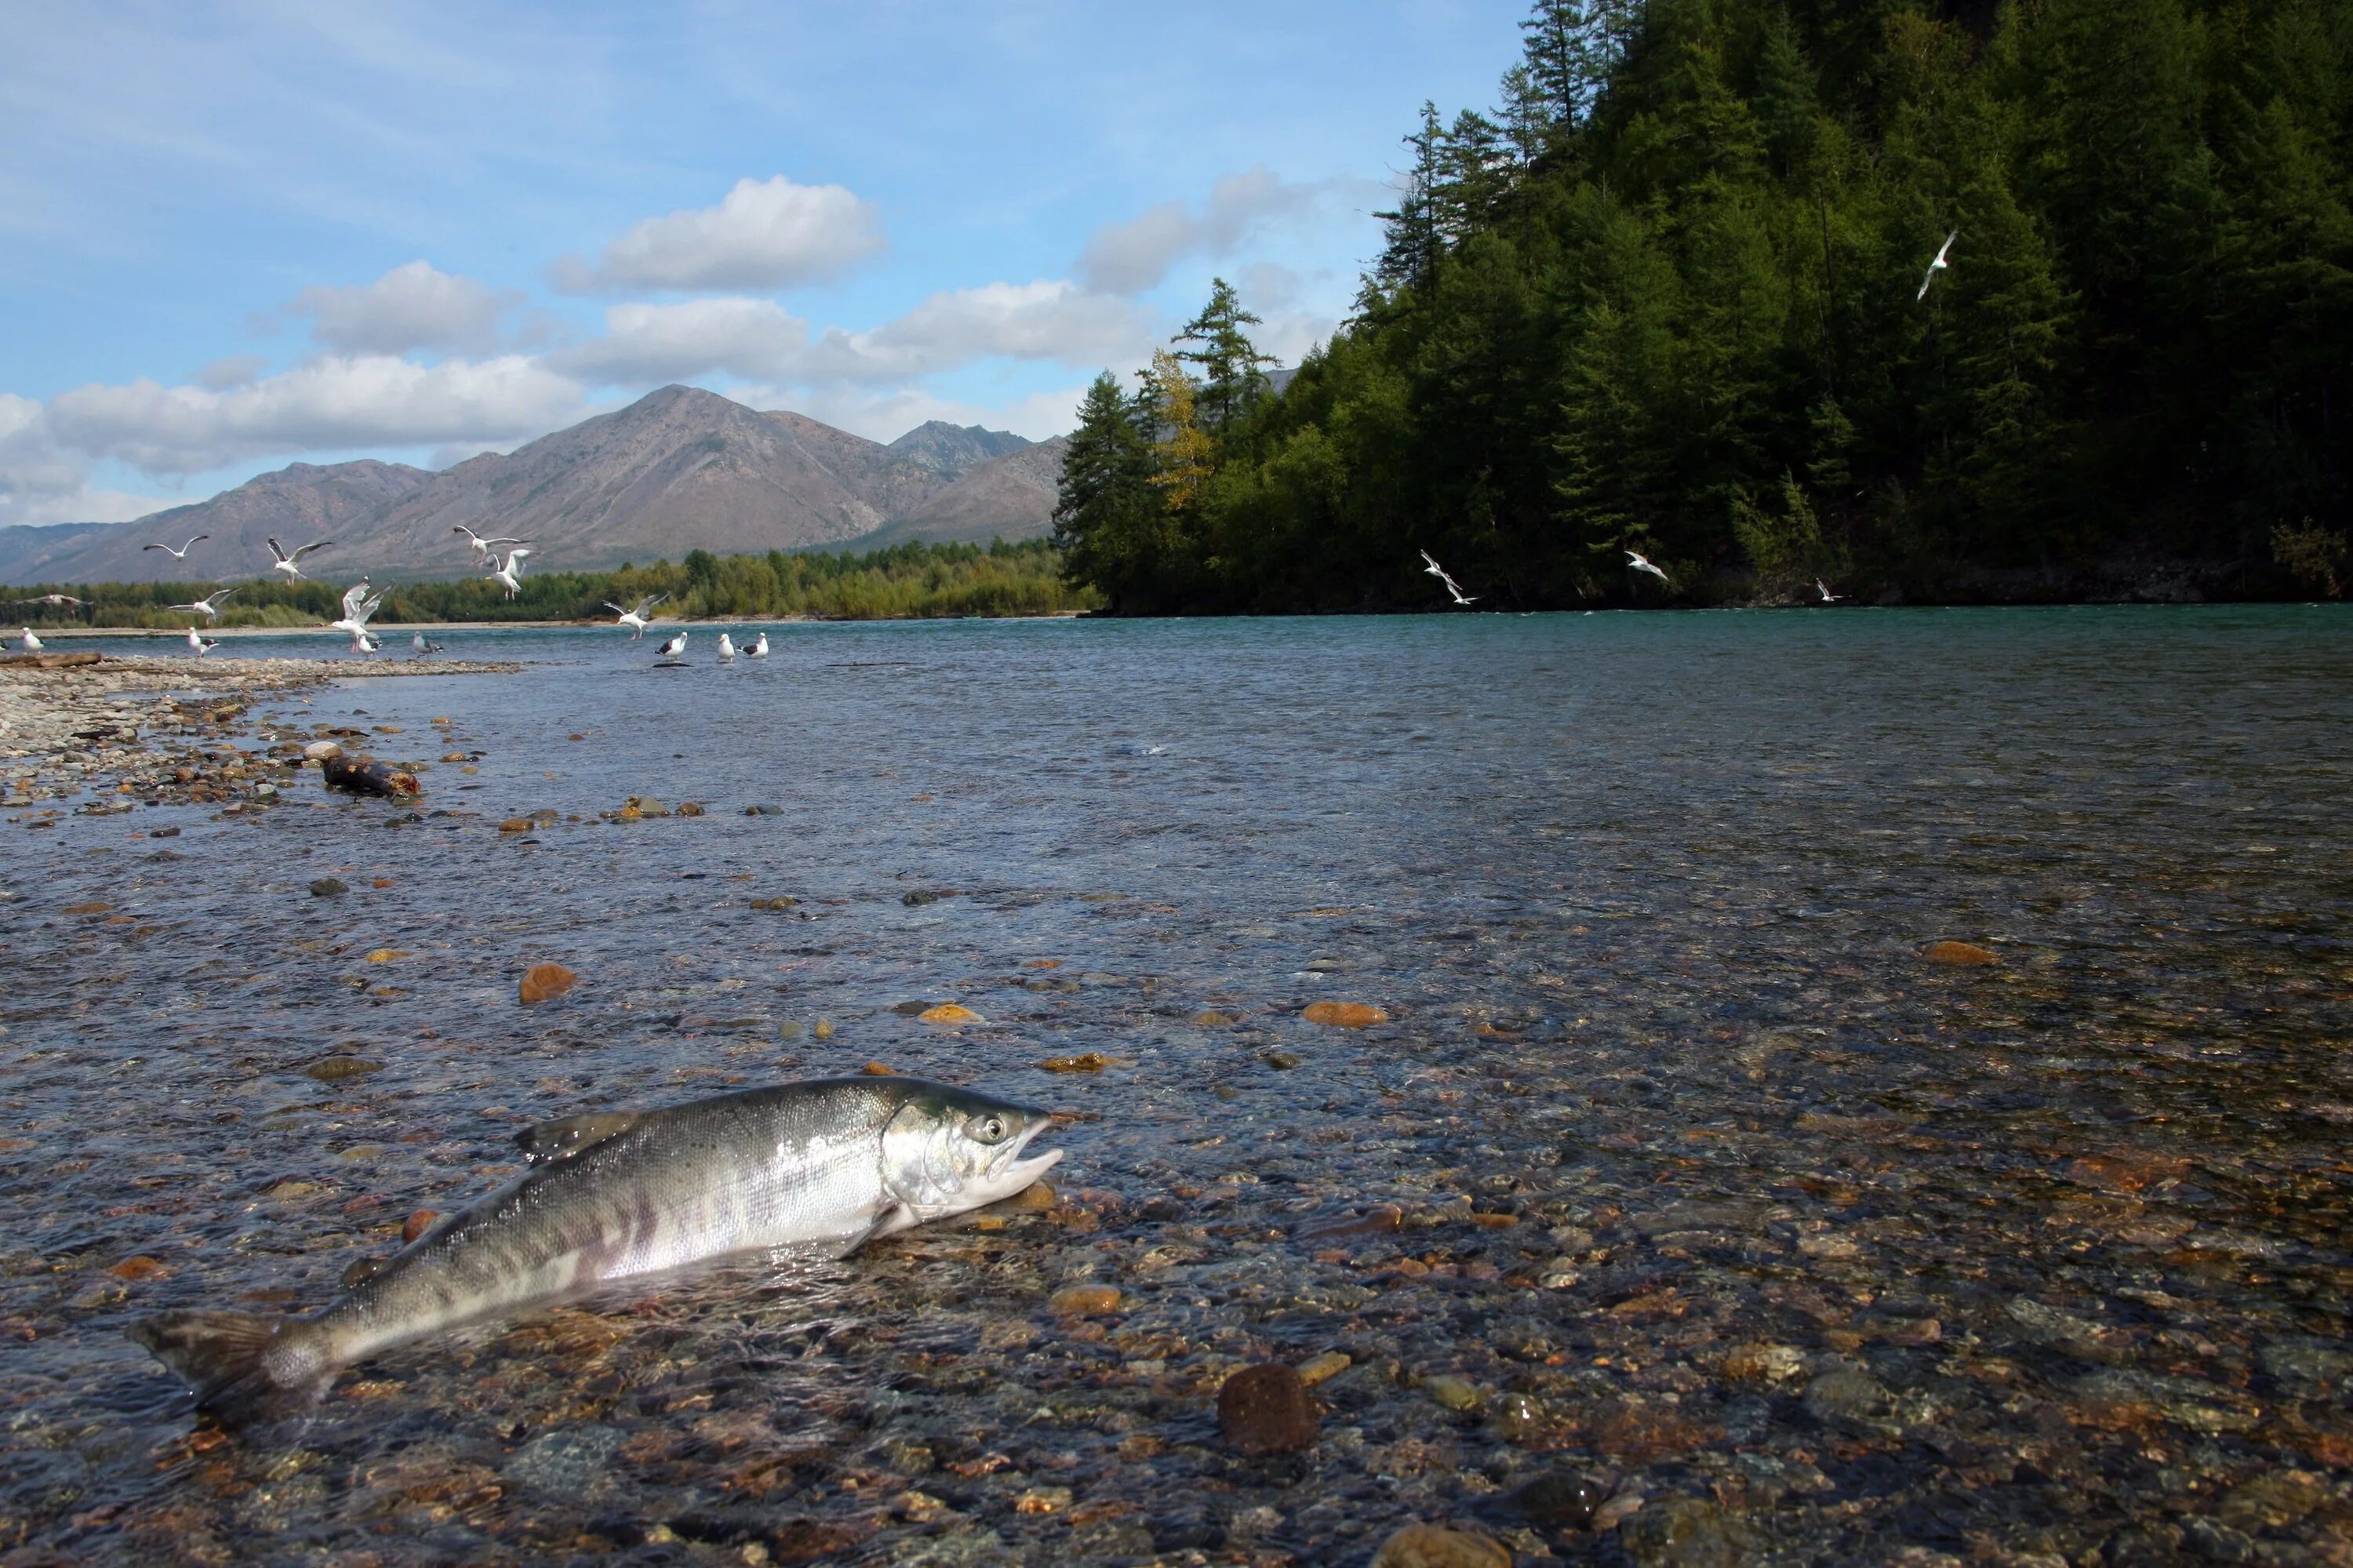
<point x="912" y="581"/>
<point x="1668" y="297"/>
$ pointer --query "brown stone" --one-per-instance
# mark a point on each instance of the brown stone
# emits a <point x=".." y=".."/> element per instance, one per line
<point x="1432" y="1546"/>
<point x="517" y="825"/>
<point x="872" y="1069"/>
<point x="1959" y="955"/>
<point x="417" y="1225"/>
<point x="1266" y="1409"/>
<point x="545" y="980"/>
<point x="137" y="1269"/>
<point x="1092" y="1062"/>
<point x="1345" y="1014"/>
<point x="949" y="1013"/>
<point x="1083" y="1300"/>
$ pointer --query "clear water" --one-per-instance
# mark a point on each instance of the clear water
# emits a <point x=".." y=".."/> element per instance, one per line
<point x="2051" y="1256"/>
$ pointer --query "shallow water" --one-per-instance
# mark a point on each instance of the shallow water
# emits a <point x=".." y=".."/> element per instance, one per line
<point x="1675" y="1168"/>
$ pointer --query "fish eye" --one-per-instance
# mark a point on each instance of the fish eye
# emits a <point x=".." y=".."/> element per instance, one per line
<point x="989" y="1129"/>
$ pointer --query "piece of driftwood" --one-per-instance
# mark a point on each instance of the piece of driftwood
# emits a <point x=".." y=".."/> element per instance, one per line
<point x="367" y="775"/>
<point x="49" y="660"/>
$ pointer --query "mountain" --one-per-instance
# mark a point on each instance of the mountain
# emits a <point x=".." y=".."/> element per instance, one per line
<point x="298" y="504"/>
<point x="678" y="470"/>
<point x="1023" y="484"/>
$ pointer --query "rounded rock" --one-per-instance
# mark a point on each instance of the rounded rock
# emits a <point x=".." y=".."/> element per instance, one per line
<point x="1266" y="1409"/>
<point x="1434" y="1546"/>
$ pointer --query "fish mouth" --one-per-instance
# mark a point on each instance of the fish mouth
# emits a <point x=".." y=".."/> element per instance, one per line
<point x="1009" y="1174"/>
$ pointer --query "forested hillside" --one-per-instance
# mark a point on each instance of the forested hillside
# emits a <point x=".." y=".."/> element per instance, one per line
<point x="1669" y="298"/>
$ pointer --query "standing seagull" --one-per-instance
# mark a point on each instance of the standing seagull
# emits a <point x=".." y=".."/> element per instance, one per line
<point x="1637" y="561"/>
<point x="509" y="575"/>
<point x="484" y="546"/>
<point x="363" y="643"/>
<point x="1824" y="589"/>
<point x="636" y="617"/>
<point x="759" y="649"/>
<point x="282" y="562"/>
<point x="209" y="606"/>
<point x="674" y="647"/>
<point x="1938" y="265"/>
<point x="1435" y="570"/>
<point x="419" y="646"/>
<point x="727" y="649"/>
<point x="182" y="553"/>
<point x="31" y="644"/>
<point x="202" y="644"/>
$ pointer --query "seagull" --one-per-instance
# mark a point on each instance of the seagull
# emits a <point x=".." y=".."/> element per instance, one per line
<point x="1938" y="265"/>
<point x="363" y="643"/>
<point x="727" y="649"/>
<point x="282" y="562"/>
<point x="484" y="546"/>
<point x="31" y="644"/>
<point x="420" y="646"/>
<point x="508" y="575"/>
<point x="636" y="617"/>
<point x="1824" y="589"/>
<point x="209" y="606"/>
<point x="674" y="647"/>
<point x="759" y="649"/>
<point x="182" y="553"/>
<point x="53" y="598"/>
<point x="203" y="645"/>
<point x="1435" y="570"/>
<point x="1636" y="560"/>
<point x="357" y="608"/>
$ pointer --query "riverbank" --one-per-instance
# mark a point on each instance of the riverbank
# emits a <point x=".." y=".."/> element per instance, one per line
<point x="160" y="731"/>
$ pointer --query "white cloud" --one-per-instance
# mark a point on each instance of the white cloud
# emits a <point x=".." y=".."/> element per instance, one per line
<point x="40" y="482"/>
<point x="1050" y="319"/>
<point x="336" y="403"/>
<point x="415" y="305"/>
<point x="755" y="339"/>
<point x="1131" y="257"/>
<point x="764" y="235"/>
<point x="237" y="370"/>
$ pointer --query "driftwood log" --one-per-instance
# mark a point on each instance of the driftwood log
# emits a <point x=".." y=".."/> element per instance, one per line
<point x="49" y="660"/>
<point x="366" y="775"/>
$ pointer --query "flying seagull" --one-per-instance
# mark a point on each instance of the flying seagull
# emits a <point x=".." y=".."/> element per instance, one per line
<point x="1824" y="589"/>
<point x="759" y="649"/>
<point x="1938" y="265"/>
<point x="31" y="644"/>
<point x="209" y="606"/>
<point x="508" y="574"/>
<point x="674" y="647"/>
<point x="202" y="644"/>
<point x="636" y="617"/>
<point x="53" y="598"/>
<point x="182" y="553"/>
<point x="1637" y="561"/>
<point x="484" y="546"/>
<point x="419" y="646"/>
<point x="282" y="562"/>
<point x="357" y="608"/>
<point x="727" y="649"/>
<point x="1435" y="570"/>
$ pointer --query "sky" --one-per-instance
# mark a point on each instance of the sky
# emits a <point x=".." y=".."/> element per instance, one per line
<point x="237" y="235"/>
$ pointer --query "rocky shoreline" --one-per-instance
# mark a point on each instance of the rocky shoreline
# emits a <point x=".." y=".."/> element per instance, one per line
<point x="158" y="731"/>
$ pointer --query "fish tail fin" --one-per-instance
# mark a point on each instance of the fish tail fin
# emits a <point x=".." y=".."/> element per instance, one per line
<point x="239" y="1365"/>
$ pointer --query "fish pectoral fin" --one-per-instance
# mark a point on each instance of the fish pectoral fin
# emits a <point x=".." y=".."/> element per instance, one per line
<point x="554" y="1140"/>
<point x="897" y="1217"/>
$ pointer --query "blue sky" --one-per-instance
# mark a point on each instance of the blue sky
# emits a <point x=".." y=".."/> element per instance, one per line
<point x="233" y="237"/>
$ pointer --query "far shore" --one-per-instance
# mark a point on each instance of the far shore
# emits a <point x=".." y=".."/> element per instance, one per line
<point x="430" y="628"/>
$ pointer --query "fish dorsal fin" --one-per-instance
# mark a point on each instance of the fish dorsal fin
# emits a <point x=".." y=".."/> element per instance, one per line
<point x="554" y="1140"/>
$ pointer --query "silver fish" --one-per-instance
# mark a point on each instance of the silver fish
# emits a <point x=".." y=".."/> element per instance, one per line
<point x="827" y="1166"/>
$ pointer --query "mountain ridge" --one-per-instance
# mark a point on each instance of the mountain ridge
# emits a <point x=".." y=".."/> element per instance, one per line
<point x="678" y="468"/>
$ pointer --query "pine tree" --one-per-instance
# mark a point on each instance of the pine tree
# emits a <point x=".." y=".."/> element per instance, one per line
<point x="1232" y="369"/>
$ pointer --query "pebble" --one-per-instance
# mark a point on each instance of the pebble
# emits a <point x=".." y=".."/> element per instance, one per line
<point x="1345" y="1014"/>
<point x="1959" y="955"/>
<point x="543" y="982"/>
<point x="1091" y="1061"/>
<point x="1083" y="1300"/>
<point x="328" y="888"/>
<point x="949" y="1012"/>
<point x="517" y="825"/>
<point x="1459" y="1395"/>
<point x="1689" y="1532"/>
<point x="335" y="1069"/>
<point x="1434" y="1546"/>
<point x="1765" y="1363"/>
<point x="417" y="1225"/>
<point x="1558" y="1500"/>
<point x="1319" y="1368"/>
<point x="1266" y="1409"/>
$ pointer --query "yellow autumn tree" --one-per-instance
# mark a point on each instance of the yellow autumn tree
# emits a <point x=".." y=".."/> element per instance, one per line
<point x="1181" y="451"/>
